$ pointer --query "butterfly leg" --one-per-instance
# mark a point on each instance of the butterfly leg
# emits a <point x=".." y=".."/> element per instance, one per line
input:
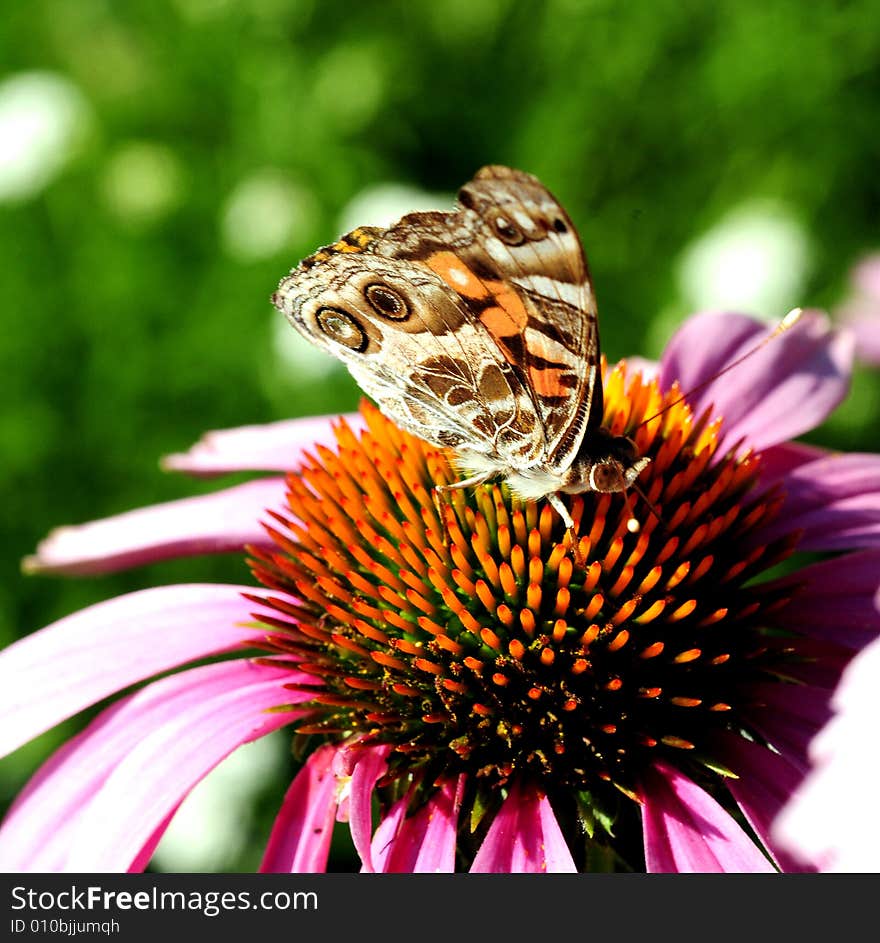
<point x="439" y="490"/>
<point x="557" y="505"/>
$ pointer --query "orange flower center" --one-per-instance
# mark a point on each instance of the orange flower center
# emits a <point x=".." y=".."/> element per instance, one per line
<point x="481" y="644"/>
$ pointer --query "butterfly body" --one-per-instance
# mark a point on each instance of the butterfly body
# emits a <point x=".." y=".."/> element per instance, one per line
<point x="475" y="330"/>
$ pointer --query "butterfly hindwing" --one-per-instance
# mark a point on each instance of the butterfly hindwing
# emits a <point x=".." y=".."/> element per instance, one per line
<point x="412" y="346"/>
<point x="514" y="257"/>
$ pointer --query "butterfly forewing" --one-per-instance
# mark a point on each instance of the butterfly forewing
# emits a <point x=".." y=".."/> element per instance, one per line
<point x="474" y="329"/>
<point x="514" y="258"/>
<point x="413" y="347"/>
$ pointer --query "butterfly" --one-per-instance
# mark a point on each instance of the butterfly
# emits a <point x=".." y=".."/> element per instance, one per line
<point x="475" y="330"/>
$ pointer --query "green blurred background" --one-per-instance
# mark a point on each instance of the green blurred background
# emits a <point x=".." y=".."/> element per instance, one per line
<point x="164" y="162"/>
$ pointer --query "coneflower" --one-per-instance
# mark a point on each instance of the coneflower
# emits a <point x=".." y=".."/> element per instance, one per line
<point x="639" y="701"/>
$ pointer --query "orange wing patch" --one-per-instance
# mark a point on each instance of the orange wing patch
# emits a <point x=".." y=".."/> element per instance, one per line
<point x="508" y="316"/>
<point x="457" y="275"/>
<point x="504" y="317"/>
<point x="547" y="381"/>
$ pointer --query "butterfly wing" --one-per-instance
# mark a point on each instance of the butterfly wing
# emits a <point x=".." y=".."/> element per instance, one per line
<point x="474" y="329"/>
<point x="514" y="257"/>
<point x="412" y="347"/>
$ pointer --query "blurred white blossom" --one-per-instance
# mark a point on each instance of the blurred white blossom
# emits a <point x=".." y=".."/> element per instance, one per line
<point x="296" y="359"/>
<point x="265" y="213"/>
<point x="754" y="260"/>
<point x="143" y="182"/>
<point x="44" y="118"/>
<point x="384" y="203"/>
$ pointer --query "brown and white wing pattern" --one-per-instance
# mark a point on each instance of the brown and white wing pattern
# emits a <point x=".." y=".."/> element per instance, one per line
<point x="515" y="259"/>
<point x="412" y="347"/>
<point x="474" y="329"/>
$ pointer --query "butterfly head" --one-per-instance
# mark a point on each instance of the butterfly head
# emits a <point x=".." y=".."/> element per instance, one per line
<point x="606" y="463"/>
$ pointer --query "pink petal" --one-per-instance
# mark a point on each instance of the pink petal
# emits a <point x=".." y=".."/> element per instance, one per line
<point x="862" y="317"/>
<point x="832" y="818"/>
<point x="423" y="842"/>
<point x="103" y="798"/>
<point x="385" y="836"/>
<point x="837" y="600"/>
<point x="779" y="460"/>
<point x="835" y="500"/>
<point x="275" y="447"/>
<point x="142" y="859"/>
<point x="369" y="764"/>
<point x="524" y="838"/>
<point x="819" y="663"/>
<point x="703" y="346"/>
<point x="766" y="782"/>
<point x="686" y="830"/>
<point x="215" y="523"/>
<point x="160" y="769"/>
<point x="34" y="835"/>
<point x="649" y="369"/>
<point x="56" y="672"/>
<point x="865" y="276"/>
<point x="857" y="693"/>
<point x="300" y="839"/>
<point x="789" y="716"/>
<point x="789" y="387"/>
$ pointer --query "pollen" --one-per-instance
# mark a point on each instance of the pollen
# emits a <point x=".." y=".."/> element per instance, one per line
<point x="468" y="636"/>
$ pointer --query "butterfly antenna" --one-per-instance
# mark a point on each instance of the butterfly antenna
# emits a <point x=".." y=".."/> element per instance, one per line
<point x="641" y="493"/>
<point x="787" y="322"/>
<point x="633" y="524"/>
